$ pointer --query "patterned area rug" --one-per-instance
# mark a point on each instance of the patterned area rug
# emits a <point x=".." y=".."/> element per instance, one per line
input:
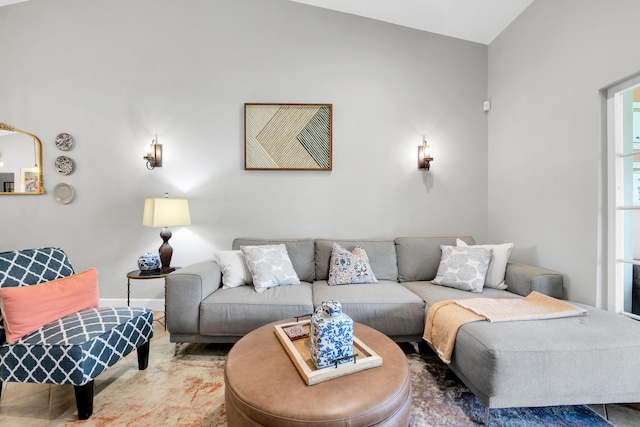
<point x="441" y="399"/>
<point x="188" y="390"/>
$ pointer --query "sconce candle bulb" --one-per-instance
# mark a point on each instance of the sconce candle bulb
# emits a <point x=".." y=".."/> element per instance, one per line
<point x="153" y="156"/>
<point x="425" y="156"/>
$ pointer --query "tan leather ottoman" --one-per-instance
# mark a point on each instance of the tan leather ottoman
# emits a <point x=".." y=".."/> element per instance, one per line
<point x="263" y="387"/>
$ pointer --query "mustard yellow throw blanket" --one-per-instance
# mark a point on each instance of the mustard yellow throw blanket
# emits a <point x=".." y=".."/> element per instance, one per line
<point x="446" y="317"/>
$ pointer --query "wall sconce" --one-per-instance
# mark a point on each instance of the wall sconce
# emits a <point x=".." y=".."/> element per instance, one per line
<point x="153" y="156"/>
<point x="424" y="155"/>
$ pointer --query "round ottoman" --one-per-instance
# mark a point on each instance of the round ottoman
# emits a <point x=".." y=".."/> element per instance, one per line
<point x="263" y="387"/>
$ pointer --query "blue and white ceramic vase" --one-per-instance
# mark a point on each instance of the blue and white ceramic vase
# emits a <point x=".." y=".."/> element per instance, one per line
<point x="331" y="335"/>
<point x="148" y="262"/>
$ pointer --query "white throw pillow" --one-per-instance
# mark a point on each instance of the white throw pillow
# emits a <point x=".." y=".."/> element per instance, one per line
<point x="270" y="266"/>
<point x="234" y="269"/>
<point x="498" y="264"/>
<point x="463" y="268"/>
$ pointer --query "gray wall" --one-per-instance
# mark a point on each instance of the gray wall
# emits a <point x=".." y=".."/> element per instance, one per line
<point x="545" y="144"/>
<point x="114" y="73"/>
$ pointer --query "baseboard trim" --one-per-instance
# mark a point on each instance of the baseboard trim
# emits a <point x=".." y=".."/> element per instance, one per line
<point x="155" y="304"/>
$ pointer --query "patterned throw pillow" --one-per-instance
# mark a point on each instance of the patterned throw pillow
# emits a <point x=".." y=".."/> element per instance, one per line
<point x="349" y="267"/>
<point x="463" y="268"/>
<point x="270" y="266"/>
<point x="498" y="264"/>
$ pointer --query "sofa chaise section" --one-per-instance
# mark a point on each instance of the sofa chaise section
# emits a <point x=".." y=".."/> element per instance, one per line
<point x="575" y="360"/>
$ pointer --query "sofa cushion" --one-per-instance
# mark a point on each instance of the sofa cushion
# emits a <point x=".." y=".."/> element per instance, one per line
<point x="27" y="308"/>
<point x="463" y="267"/>
<point x="432" y="294"/>
<point x="381" y="253"/>
<point x="235" y="271"/>
<point x="301" y="253"/>
<point x="349" y="267"/>
<point x="419" y="257"/>
<point x="386" y="306"/>
<point x="497" y="265"/>
<point x="236" y="312"/>
<point x="270" y="266"/>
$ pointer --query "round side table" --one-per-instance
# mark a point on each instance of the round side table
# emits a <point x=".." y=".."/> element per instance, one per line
<point x="146" y="275"/>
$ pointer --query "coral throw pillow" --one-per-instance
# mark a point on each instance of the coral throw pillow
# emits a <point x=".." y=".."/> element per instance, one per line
<point x="28" y="308"/>
<point x="347" y="268"/>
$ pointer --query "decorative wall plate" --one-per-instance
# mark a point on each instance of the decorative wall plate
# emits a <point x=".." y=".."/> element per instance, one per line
<point x="64" y="165"/>
<point x="63" y="193"/>
<point x="64" y="141"/>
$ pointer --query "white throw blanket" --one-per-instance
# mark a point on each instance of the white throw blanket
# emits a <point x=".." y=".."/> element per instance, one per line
<point x="533" y="307"/>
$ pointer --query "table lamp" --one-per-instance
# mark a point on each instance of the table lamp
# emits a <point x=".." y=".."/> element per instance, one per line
<point x="166" y="212"/>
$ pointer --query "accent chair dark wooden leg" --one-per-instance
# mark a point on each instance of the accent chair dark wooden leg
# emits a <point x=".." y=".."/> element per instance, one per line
<point x="84" y="400"/>
<point x="0" y="389"/>
<point x="143" y="356"/>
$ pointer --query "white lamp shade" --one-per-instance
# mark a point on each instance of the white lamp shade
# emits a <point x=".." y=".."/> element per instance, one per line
<point x="166" y="212"/>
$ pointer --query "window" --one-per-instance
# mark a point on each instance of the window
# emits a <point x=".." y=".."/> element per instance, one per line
<point x="623" y="106"/>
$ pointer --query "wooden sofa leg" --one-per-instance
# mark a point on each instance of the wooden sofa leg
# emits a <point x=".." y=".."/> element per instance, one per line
<point x="143" y="356"/>
<point x="84" y="400"/>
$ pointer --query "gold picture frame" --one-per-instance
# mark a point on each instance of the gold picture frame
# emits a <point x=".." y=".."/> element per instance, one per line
<point x="288" y="136"/>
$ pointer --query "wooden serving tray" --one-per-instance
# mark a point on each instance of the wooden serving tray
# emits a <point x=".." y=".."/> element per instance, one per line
<point x="298" y="351"/>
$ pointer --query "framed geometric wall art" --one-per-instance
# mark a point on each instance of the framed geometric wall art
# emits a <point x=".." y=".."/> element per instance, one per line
<point x="288" y="137"/>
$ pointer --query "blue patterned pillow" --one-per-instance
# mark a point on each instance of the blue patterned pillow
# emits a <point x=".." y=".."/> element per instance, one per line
<point x="30" y="267"/>
<point x="346" y="268"/>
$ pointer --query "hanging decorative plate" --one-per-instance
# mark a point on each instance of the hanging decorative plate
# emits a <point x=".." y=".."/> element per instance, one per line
<point x="64" y="165"/>
<point x="63" y="193"/>
<point x="64" y="141"/>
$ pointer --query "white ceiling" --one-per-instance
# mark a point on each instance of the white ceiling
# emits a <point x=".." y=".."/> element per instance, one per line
<point x="474" y="20"/>
<point x="6" y="2"/>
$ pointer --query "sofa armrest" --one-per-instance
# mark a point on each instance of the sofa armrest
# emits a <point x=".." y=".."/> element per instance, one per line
<point x="186" y="288"/>
<point x="523" y="279"/>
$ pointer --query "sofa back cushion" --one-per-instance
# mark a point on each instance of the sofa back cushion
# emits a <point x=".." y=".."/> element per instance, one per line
<point x="381" y="253"/>
<point x="300" y="253"/>
<point x="419" y="257"/>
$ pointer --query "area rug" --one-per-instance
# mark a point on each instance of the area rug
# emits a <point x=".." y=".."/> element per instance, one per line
<point x="441" y="399"/>
<point x="188" y="390"/>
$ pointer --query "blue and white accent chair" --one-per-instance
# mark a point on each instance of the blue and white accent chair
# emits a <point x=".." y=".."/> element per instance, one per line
<point x="76" y="348"/>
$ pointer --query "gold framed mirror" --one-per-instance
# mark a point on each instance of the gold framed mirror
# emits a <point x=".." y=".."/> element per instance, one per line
<point x="20" y="162"/>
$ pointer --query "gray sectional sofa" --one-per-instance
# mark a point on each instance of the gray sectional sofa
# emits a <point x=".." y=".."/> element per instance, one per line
<point x="588" y="359"/>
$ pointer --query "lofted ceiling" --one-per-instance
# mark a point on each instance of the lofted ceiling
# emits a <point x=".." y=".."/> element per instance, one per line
<point x="479" y="21"/>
